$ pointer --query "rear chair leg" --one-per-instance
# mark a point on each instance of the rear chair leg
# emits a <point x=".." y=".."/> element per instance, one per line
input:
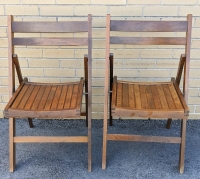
<point x="30" y="122"/>
<point x="12" y="144"/>
<point x="182" y="145"/>
<point x="169" y="121"/>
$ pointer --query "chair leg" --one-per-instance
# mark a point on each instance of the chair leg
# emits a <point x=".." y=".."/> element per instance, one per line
<point x="89" y="119"/>
<point x="110" y="116"/>
<point x="182" y="146"/>
<point x="11" y="144"/>
<point x="86" y="109"/>
<point x="30" y="122"/>
<point x="105" y="127"/>
<point x="169" y="121"/>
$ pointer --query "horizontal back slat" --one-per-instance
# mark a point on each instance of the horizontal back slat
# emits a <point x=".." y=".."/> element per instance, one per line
<point x="36" y="27"/>
<point x="148" y="26"/>
<point x="50" y="41"/>
<point x="148" y="40"/>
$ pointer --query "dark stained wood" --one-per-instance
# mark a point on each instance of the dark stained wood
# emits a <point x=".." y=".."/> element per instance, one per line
<point x="56" y="97"/>
<point x="44" y="97"/>
<point x="79" y="96"/>
<point x="34" y="27"/>
<point x="68" y="97"/>
<point x="148" y="26"/>
<point x="148" y="40"/>
<point x="50" y="98"/>
<point x="38" y="98"/>
<point x="17" y="66"/>
<point x="74" y="96"/>
<point x="148" y="99"/>
<point x="180" y="68"/>
<point x="50" y="41"/>
<point x="20" y="96"/>
<point x="26" y="97"/>
<point x="62" y="97"/>
<point x="47" y="100"/>
<point x="32" y="97"/>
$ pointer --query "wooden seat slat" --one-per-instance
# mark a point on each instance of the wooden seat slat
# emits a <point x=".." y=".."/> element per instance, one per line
<point x="156" y="97"/>
<point x="175" y="96"/>
<point x="32" y="97"/>
<point x="119" y="94"/>
<point x="20" y="96"/>
<point x="63" y="95"/>
<point x="149" y="97"/>
<point x="74" y="97"/>
<point x="168" y="96"/>
<point x="138" y="103"/>
<point x="125" y="99"/>
<point x="162" y="97"/>
<point x="68" y="97"/>
<point x="38" y="98"/>
<point x="26" y="97"/>
<point x="56" y="97"/>
<point x="50" y="97"/>
<point x="131" y="96"/>
<point x="44" y="97"/>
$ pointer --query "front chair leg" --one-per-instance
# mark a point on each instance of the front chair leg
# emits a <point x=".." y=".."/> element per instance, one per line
<point x="12" y="144"/>
<point x="169" y="121"/>
<point x="30" y="122"/>
<point x="182" y="145"/>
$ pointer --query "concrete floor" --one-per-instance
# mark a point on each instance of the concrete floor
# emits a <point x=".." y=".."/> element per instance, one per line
<point x="133" y="160"/>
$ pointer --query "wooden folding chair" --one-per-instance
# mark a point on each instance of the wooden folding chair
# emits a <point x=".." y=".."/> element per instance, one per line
<point x="48" y="100"/>
<point x="147" y="99"/>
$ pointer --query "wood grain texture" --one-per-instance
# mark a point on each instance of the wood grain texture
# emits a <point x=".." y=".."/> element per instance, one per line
<point x="148" y="26"/>
<point x="148" y="40"/>
<point x="37" y="27"/>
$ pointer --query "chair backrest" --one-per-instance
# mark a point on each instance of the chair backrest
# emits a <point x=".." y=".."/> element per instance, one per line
<point x="150" y="26"/>
<point x="47" y="27"/>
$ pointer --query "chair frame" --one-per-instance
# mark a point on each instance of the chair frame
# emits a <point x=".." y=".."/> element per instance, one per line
<point x="13" y="63"/>
<point x="112" y="110"/>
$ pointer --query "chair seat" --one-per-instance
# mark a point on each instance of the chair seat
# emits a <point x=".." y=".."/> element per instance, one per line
<point x="45" y="100"/>
<point x="150" y="99"/>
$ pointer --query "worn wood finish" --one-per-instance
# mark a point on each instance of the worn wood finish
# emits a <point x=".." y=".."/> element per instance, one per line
<point x="48" y="100"/>
<point x="47" y="139"/>
<point x="107" y="73"/>
<point x="50" y="41"/>
<point x="45" y="101"/>
<point x="45" y="27"/>
<point x="148" y="40"/>
<point x="140" y="138"/>
<point x="89" y="92"/>
<point x="148" y="26"/>
<point x="148" y="99"/>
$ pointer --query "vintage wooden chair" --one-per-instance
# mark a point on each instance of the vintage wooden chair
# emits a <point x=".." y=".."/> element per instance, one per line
<point x="48" y="100"/>
<point x="147" y="99"/>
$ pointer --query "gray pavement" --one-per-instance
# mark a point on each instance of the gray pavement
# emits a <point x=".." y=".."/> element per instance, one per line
<point x="133" y="160"/>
